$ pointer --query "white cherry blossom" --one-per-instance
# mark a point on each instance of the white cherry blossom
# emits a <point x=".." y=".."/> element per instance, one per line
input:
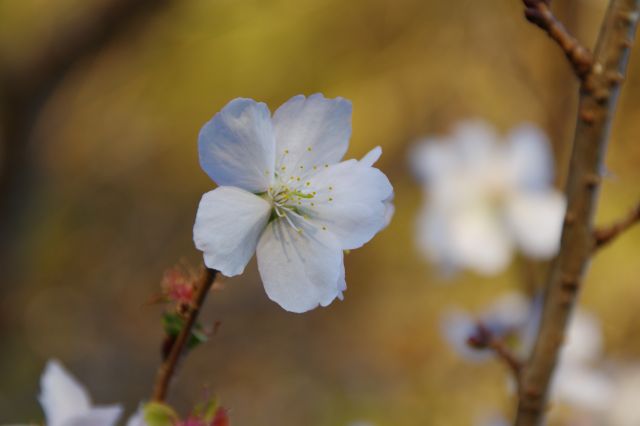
<point x="66" y="402"/>
<point x="487" y="197"/>
<point x="284" y="194"/>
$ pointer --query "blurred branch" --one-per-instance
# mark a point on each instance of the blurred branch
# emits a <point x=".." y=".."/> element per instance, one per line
<point x="539" y="13"/>
<point x="598" y="95"/>
<point x="169" y="364"/>
<point x="604" y="236"/>
<point x="509" y="358"/>
<point x="484" y="338"/>
<point x="26" y="87"/>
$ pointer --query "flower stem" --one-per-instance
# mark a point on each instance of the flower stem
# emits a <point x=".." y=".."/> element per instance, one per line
<point x="168" y="366"/>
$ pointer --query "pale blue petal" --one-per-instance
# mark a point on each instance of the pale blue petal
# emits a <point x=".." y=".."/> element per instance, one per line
<point x="62" y="397"/>
<point x="351" y="201"/>
<point x="228" y="224"/>
<point x="529" y="158"/>
<point x="535" y="219"/>
<point x="237" y="146"/>
<point x="299" y="270"/>
<point x="98" y="416"/>
<point x="311" y="132"/>
<point x="372" y="156"/>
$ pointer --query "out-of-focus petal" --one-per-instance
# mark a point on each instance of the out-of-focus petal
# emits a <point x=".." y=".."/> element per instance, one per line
<point x="237" y="146"/>
<point x="529" y="158"/>
<point x="62" y="397"/>
<point x="582" y="387"/>
<point x="584" y="339"/>
<point x="457" y="326"/>
<point x="228" y="224"/>
<point x="536" y="218"/>
<point x="480" y="241"/>
<point x="99" y="416"/>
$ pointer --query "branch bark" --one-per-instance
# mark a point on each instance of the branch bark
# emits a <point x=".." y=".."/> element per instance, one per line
<point x="598" y="96"/>
<point x="169" y="364"/>
<point x="539" y="13"/>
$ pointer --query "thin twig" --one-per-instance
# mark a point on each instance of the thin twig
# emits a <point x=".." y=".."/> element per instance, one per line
<point x="168" y="366"/>
<point x="603" y="236"/>
<point x="539" y="13"/>
<point x="484" y="338"/>
<point x="598" y="95"/>
<point x="505" y="354"/>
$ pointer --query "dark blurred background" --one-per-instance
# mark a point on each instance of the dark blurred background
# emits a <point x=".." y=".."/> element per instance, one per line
<point x="101" y="105"/>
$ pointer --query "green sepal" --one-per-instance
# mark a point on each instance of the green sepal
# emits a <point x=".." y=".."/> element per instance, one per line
<point x="158" y="414"/>
<point x="207" y="410"/>
<point x="173" y="324"/>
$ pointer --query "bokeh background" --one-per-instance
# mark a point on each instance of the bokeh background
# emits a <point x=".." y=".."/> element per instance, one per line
<point x="104" y="182"/>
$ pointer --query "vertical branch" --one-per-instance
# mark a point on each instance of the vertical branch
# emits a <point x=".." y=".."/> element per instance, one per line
<point x="598" y="95"/>
<point x="169" y="364"/>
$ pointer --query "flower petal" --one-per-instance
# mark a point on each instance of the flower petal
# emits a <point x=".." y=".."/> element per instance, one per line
<point x="137" y="419"/>
<point x="351" y="200"/>
<point x="310" y="132"/>
<point x="468" y="236"/>
<point x="480" y="240"/>
<point x="529" y="157"/>
<point x="371" y="157"/>
<point x="229" y="223"/>
<point x="342" y="282"/>
<point x="457" y="327"/>
<point x="536" y="222"/>
<point x="237" y="146"/>
<point x="300" y="270"/>
<point x="99" y="416"/>
<point x="62" y="397"/>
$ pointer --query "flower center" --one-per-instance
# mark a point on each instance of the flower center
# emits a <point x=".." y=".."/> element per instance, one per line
<point x="290" y="203"/>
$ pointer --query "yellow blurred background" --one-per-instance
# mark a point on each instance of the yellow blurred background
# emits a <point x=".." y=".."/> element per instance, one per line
<point x="114" y="183"/>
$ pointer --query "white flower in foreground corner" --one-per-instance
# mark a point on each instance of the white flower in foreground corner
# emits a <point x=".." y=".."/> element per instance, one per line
<point x="487" y="197"/>
<point x="284" y="194"/>
<point x="67" y="403"/>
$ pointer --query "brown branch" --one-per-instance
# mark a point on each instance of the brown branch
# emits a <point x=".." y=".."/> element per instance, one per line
<point x="169" y="364"/>
<point x="510" y="359"/>
<point x="598" y="96"/>
<point x="484" y="338"/>
<point x="604" y="236"/>
<point x="539" y="13"/>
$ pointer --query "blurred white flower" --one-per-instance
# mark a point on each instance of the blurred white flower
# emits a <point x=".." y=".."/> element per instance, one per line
<point x="507" y="317"/>
<point x="284" y="194"/>
<point x="580" y="382"/>
<point x="137" y="419"/>
<point x="67" y="403"/>
<point x="486" y="197"/>
<point x="625" y="409"/>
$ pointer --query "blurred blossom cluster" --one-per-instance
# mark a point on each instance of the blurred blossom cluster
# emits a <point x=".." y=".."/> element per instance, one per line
<point x="588" y="388"/>
<point x="486" y="196"/>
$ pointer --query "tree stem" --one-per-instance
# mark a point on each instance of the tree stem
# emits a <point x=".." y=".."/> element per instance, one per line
<point x="168" y="366"/>
<point x="598" y="95"/>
